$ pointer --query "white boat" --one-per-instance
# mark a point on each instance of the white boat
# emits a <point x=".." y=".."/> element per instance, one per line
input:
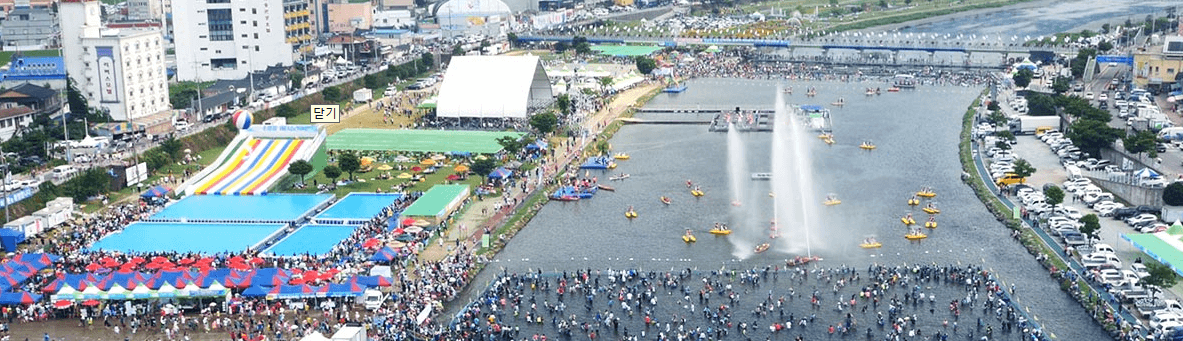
<point x="761" y="176"/>
<point x="619" y="177"/>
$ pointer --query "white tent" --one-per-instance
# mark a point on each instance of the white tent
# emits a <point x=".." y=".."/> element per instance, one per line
<point x="1146" y="173"/>
<point x="493" y="87"/>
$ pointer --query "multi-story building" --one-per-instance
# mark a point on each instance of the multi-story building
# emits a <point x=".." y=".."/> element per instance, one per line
<point x="1156" y="69"/>
<point x="120" y="70"/>
<point x="28" y="28"/>
<point x="225" y="39"/>
<point x="145" y="10"/>
<point x="349" y="17"/>
<point x="8" y="5"/>
<point x="297" y="21"/>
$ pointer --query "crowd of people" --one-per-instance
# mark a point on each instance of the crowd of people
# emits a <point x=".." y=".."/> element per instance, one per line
<point x="774" y="302"/>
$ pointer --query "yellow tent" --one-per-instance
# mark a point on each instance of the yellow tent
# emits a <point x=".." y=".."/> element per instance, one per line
<point x="366" y="161"/>
<point x="427" y="162"/>
<point x="461" y="168"/>
<point x="404" y="176"/>
<point x="384" y="168"/>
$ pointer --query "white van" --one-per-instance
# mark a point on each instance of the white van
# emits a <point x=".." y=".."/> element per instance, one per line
<point x="1164" y="320"/>
<point x="64" y="172"/>
<point x="1101" y="248"/>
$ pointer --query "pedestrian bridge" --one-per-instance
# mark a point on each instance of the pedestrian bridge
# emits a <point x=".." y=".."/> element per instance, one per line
<point x="862" y="44"/>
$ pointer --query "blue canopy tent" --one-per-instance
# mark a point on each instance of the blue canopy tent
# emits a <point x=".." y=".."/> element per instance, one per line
<point x="344" y="290"/>
<point x="255" y="291"/>
<point x="158" y="191"/>
<point x="460" y="153"/>
<point x="9" y="238"/>
<point x="500" y="173"/>
<point x="20" y="297"/>
<point x="386" y="254"/>
<point x="1146" y="173"/>
<point x="539" y="144"/>
<point x="38" y="260"/>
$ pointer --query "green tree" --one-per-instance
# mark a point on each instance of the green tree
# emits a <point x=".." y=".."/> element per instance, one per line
<point x="564" y="103"/>
<point x="512" y="38"/>
<point x="332" y="172"/>
<point x="581" y="45"/>
<point x="1040" y="105"/>
<point x="1105" y="28"/>
<point x="1091" y="226"/>
<point x="331" y="94"/>
<point x="993" y="106"/>
<point x="1104" y="46"/>
<point x="561" y="47"/>
<point x="285" y="110"/>
<point x="544" y="123"/>
<point x="75" y="100"/>
<point x="349" y="163"/>
<point x="483" y="167"/>
<point x="171" y="147"/>
<point x="1006" y="135"/>
<point x="605" y="83"/>
<point x="1024" y="168"/>
<point x="603" y="147"/>
<point x="457" y="50"/>
<point x="1092" y="135"/>
<point x="297" y="79"/>
<point x="510" y="144"/>
<point x="300" y="168"/>
<point x="427" y="59"/>
<point x="371" y="81"/>
<point x="1173" y="194"/>
<point x="1054" y="195"/>
<point x="1141" y="142"/>
<point x="998" y="118"/>
<point x="1023" y="77"/>
<point x="645" y="65"/>
<point x="1061" y="85"/>
<point x="1160" y="276"/>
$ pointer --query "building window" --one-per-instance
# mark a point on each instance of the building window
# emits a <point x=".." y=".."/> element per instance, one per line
<point x="221" y="24"/>
<point x="256" y="36"/>
<point x="219" y="63"/>
<point x="217" y="1"/>
<point x="254" y="11"/>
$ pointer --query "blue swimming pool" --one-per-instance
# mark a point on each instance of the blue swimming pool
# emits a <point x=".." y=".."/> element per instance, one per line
<point x="203" y="238"/>
<point x="311" y="239"/>
<point x="245" y="208"/>
<point x="359" y="206"/>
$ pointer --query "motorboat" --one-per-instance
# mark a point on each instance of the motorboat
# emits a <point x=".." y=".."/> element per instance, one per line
<point x="689" y="238"/>
<point x="824" y="136"/>
<point x="866" y="145"/>
<point x="720" y="232"/>
<point x="621" y="156"/>
<point x="870" y="92"/>
<point x="907" y="220"/>
<point x="913" y="201"/>
<point x="736" y="203"/>
<point x="696" y="192"/>
<point x="606" y="187"/>
<point x="926" y="192"/>
<point x="762" y="247"/>
<point x="870" y="243"/>
<point x="838" y="103"/>
<point x="831" y="200"/>
<point x="666" y="200"/>
<point x="619" y="177"/>
<point x="812" y="92"/>
<point x="893" y="89"/>
<point x="930" y="209"/>
<point x="630" y="214"/>
<point x="801" y="260"/>
<point x="565" y="198"/>
<point x="931" y="223"/>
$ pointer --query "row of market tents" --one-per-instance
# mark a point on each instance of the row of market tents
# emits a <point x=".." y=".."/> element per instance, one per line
<point x="22" y="266"/>
<point x="273" y="282"/>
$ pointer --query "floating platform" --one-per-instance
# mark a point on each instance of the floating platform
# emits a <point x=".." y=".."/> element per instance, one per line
<point x="674" y="89"/>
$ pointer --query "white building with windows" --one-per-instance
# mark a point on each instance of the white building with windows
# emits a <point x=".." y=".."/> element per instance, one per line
<point x="120" y="70"/>
<point x="224" y="39"/>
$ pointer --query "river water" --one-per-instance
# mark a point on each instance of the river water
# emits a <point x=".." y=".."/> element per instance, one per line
<point x="916" y="133"/>
<point x="1042" y="18"/>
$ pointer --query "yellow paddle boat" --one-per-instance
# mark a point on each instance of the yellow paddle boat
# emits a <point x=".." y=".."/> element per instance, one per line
<point x="913" y="201"/>
<point x="870" y="243"/>
<point x="630" y="213"/>
<point x="907" y="220"/>
<point x="832" y="200"/>
<point x="926" y="192"/>
<point x="825" y="136"/>
<point x="762" y="247"/>
<point x="931" y="223"/>
<point x="612" y="165"/>
<point x="829" y="141"/>
<point x="697" y="193"/>
<point x="930" y="209"/>
<point x="915" y="235"/>
<point x="621" y="156"/>
<point x="866" y="145"/>
<point x="720" y="232"/>
<point x="689" y="238"/>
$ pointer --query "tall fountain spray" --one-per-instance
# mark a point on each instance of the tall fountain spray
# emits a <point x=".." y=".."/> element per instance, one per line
<point x="795" y="202"/>
<point x="742" y="212"/>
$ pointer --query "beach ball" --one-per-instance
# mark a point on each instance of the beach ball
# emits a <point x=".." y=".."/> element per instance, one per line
<point x="242" y="119"/>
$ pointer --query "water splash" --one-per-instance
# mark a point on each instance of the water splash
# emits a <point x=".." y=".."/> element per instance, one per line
<point x="796" y="204"/>
<point x="742" y="215"/>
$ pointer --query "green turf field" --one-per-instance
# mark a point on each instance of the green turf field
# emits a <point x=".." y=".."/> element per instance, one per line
<point x="439" y="141"/>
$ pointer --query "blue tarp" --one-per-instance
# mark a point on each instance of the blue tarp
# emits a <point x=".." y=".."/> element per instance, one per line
<point x="18" y="298"/>
<point x="500" y="173"/>
<point x="158" y="191"/>
<point x="812" y="107"/>
<point x="540" y="144"/>
<point x="460" y="153"/>
<point x="386" y="254"/>
<point x="255" y="291"/>
<point x="9" y="238"/>
<point x="345" y="290"/>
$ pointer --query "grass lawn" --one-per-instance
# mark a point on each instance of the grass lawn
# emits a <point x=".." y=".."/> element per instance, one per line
<point x="127" y="193"/>
<point x="372" y="183"/>
<point x="6" y="56"/>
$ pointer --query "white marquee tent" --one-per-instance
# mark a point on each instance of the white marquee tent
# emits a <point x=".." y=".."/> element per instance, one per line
<point x="493" y="87"/>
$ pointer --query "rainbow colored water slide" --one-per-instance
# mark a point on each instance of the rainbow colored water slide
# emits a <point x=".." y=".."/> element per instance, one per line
<point x="277" y="168"/>
<point x="236" y="161"/>
<point x="261" y="160"/>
